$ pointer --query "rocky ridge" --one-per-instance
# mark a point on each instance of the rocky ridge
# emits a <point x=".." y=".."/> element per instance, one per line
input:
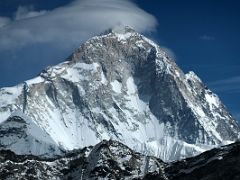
<point x="113" y="160"/>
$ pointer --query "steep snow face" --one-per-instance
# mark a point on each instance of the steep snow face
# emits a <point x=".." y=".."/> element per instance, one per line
<point x="122" y="86"/>
<point x="9" y="101"/>
<point x="22" y="135"/>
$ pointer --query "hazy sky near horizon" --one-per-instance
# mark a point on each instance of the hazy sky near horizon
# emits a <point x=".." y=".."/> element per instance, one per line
<point x="203" y="36"/>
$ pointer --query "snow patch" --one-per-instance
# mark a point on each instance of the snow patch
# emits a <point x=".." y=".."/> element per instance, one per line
<point x="123" y="37"/>
<point x="212" y="100"/>
<point x="131" y="86"/>
<point x="36" y="80"/>
<point x="192" y="76"/>
<point x="116" y="86"/>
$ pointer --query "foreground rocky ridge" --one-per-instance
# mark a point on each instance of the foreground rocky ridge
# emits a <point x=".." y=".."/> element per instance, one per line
<point x="121" y="86"/>
<point x="113" y="160"/>
<point x="108" y="159"/>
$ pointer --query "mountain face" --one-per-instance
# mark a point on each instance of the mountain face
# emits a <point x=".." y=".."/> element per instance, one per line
<point x="120" y="86"/>
<point x="113" y="160"/>
<point x="18" y="133"/>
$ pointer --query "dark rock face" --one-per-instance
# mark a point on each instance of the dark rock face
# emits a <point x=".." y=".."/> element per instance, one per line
<point x="113" y="160"/>
<point x="216" y="164"/>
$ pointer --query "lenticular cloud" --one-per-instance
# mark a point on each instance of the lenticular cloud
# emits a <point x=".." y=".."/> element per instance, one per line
<point x="74" y="23"/>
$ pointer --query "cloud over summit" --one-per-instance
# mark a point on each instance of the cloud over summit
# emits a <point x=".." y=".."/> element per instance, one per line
<point x="25" y="12"/>
<point x="72" y="24"/>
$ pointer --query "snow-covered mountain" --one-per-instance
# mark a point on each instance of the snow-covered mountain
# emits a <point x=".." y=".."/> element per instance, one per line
<point x="121" y="86"/>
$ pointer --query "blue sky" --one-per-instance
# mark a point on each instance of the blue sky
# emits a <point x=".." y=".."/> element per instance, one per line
<point x="202" y="35"/>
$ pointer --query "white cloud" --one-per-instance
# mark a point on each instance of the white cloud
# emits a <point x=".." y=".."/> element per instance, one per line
<point x="230" y="85"/>
<point x="72" y="24"/>
<point x="4" y="21"/>
<point x="207" y="38"/>
<point x="24" y="12"/>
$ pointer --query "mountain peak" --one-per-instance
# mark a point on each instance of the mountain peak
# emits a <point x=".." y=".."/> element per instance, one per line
<point x="119" y="30"/>
<point x="120" y="86"/>
<point x="123" y="29"/>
